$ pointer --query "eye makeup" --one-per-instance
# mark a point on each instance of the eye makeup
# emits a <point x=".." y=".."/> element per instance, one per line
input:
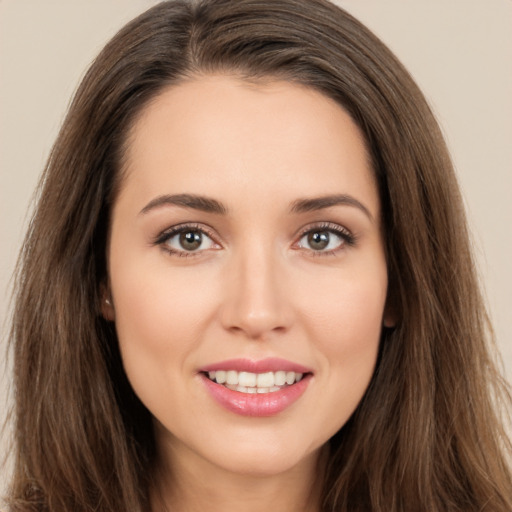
<point x="321" y="241"/>
<point x="193" y="239"/>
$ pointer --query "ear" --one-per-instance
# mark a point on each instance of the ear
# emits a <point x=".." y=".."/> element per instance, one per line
<point x="391" y="314"/>
<point x="107" y="305"/>
<point x="389" y="320"/>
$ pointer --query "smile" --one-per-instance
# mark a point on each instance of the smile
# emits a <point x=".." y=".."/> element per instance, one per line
<point x="256" y="388"/>
<point x="253" y="383"/>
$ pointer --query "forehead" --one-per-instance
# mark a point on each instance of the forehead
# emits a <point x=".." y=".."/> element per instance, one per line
<point x="218" y="134"/>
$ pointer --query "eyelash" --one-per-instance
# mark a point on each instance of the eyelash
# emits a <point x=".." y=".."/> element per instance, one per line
<point x="348" y="239"/>
<point x="165" y="236"/>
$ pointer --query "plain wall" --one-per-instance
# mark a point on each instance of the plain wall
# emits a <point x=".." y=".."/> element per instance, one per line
<point x="459" y="51"/>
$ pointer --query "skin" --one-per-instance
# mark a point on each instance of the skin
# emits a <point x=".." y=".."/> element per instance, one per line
<point x="255" y="288"/>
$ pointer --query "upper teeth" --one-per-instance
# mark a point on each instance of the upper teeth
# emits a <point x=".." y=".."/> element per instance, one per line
<point x="255" y="380"/>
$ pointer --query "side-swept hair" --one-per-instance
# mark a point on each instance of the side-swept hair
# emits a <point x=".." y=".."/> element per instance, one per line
<point x="427" y="435"/>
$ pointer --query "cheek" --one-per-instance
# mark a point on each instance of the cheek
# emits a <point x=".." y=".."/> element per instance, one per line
<point x="350" y="348"/>
<point x="158" y="317"/>
<point x="349" y="307"/>
<point x="156" y="307"/>
<point x="345" y="320"/>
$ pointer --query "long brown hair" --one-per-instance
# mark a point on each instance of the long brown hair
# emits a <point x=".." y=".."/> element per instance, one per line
<point x="427" y="435"/>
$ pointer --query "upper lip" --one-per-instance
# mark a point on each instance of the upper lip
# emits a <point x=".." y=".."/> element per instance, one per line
<point x="271" y="364"/>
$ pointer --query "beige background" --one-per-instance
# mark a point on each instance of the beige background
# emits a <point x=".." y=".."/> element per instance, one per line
<point x="459" y="51"/>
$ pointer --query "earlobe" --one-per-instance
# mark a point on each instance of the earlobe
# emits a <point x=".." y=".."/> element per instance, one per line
<point x="390" y="317"/>
<point x="107" y="305"/>
<point x="389" y="321"/>
<point x="107" y="310"/>
<point x="392" y="307"/>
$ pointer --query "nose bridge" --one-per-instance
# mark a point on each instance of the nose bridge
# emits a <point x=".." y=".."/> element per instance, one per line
<point x="256" y="302"/>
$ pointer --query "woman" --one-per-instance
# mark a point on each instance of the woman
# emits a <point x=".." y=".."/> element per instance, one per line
<point x="248" y="282"/>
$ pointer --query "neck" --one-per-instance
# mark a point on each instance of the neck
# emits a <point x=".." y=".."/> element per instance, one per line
<point x="193" y="485"/>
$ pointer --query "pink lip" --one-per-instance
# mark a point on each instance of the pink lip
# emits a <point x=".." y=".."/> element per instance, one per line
<point x="273" y="364"/>
<point x="258" y="405"/>
<point x="264" y="404"/>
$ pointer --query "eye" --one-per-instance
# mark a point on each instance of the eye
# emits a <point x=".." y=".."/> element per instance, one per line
<point x="186" y="240"/>
<point x="325" y="239"/>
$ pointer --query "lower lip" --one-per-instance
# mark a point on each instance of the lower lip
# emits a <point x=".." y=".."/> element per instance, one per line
<point x="258" y="404"/>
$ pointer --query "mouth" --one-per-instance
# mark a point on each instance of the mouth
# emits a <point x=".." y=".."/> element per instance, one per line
<point x="254" y="383"/>
<point x="256" y="388"/>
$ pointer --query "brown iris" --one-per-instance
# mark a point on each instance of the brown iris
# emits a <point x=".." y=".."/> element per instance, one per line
<point x="191" y="240"/>
<point x="318" y="240"/>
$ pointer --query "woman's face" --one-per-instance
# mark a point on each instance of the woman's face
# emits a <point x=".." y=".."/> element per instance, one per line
<point x="246" y="248"/>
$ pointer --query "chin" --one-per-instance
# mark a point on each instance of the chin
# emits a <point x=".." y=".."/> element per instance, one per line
<point x="265" y="458"/>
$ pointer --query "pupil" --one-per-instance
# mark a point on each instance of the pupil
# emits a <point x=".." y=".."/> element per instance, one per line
<point x="190" y="240"/>
<point x="318" y="240"/>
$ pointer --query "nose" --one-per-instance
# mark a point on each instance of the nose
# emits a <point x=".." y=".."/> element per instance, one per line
<point x="256" y="303"/>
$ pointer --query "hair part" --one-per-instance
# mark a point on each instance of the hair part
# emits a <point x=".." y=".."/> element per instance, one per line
<point x="427" y="434"/>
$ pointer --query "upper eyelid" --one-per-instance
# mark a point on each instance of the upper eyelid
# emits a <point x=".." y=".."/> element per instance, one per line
<point x="326" y="226"/>
<point x="192" y="226"/>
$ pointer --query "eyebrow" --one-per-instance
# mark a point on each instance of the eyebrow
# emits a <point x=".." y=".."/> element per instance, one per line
<point x="320" y="203"/>
<point x="204" y="204"/>
<point x="209" y="205"/>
